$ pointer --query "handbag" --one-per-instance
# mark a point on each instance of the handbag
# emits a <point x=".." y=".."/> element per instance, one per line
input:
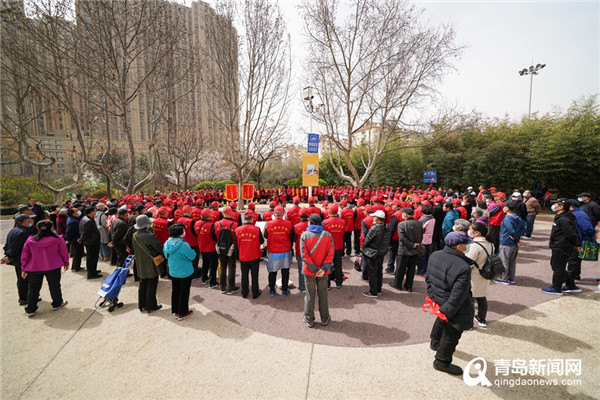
<point x="590" y="250"/>
<point x="158" y="260"/>
<point x="421" y="250"/>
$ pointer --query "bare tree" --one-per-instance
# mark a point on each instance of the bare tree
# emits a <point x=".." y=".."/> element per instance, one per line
<point x="371" y="68"/>
<point x="251" y="108"/>
<point x="29" y="89"/>
<point x="184" y="152"/>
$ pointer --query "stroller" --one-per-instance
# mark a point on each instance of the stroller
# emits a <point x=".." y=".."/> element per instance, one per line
<point x="112" y="286"/>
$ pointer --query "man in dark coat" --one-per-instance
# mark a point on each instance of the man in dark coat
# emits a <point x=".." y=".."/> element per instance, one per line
<point x="119" y="229"/>
<point x="90" y="238"/>
<point x="449" y="285"/>
<point x="377" y="240"/>
<point x="410" y="235"/>
<point x="15" y="241"/>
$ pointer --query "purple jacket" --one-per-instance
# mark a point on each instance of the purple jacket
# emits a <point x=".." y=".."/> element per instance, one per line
<point x="44" y="255"/>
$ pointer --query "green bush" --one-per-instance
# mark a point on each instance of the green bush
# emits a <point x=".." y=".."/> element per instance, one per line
<point x="205" y="185"/>
<point x="293" y="182"/>
<point x="322" y="182"/>
<point x="221" y="184"/>
<point x="15" y="190"/>
<point x="98" y="193"/>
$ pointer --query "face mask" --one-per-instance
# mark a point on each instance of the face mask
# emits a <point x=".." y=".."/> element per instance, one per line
<point x="553" y="208"/>
<point x="182" y="236"/>
<point x="454" y="228"/>
<point x="514" y="198"/>
<point x="470" y="234"/>
<point x="487" y="202"/>
<point x="579" y="199"/>
<point x="79" y="213"/>
<point x="29" y="225"/>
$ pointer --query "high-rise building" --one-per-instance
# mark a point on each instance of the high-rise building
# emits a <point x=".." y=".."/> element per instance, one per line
<point x="163" y="96"/>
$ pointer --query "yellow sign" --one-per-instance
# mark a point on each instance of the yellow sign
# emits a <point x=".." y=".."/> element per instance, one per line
<point x="310" y="169"/>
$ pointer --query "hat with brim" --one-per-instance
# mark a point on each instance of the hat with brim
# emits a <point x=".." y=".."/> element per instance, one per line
<point x="143" y="222"/>
<point x="379" y="214"/>
<point x="20" y="218"/>
<point x="456" y="238"/>
<point x="584" y="194"/>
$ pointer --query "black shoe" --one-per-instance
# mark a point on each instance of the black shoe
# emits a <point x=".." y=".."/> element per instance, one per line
<point x="388" y="271"/>
<point x="393" y="284"/>
<point x="95" y="276"/>
<point x="408" y="289"/>
<point x="368" y="294"/>
<point x="449" y="369"/>
<point x="158" y="307"/>
<point x="233" y="290"/>
<point x="433" y="345"/>
<point x="76" y="269"/>
<point x="259" y="293"/>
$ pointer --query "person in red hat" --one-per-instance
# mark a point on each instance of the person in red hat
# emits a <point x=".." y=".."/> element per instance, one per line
<point x="160" y="226"/>
<point x="248" y="240"/>
<point x="268" y="215"/>
<point x="215" y="215"/>
<point x="335" y="226"/>
<point x="222" y="234"/>
<point x="347" y="215"/>
<point x="496" y="210"/>
<point x="299" y="229"/>
<point x="280" y="236"/>
<point x="293" y="214"/>
<point x="206" y="245"/>
<point x="359" y="215"/>
<point x="312" y="208"/>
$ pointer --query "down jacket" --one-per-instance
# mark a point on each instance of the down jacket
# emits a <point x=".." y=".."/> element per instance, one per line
<point x="449" y="284"/>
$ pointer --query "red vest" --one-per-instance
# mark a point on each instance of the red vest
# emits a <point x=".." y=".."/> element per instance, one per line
<point x="293" y="215"/>
<point x="189" y="237"/>
<point x="206" y="243"/>
<point x="247" y="238"/>
<point x="335" y="227"/>
<point x="299" y="229"/>
<point x="348" y="217"/>
<point x="278" y="232"/>
<point x="160" y="227"/>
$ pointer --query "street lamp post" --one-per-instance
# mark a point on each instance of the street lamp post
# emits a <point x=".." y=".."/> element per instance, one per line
<point x="308" y="96"/>
<point x="531" y="71"/>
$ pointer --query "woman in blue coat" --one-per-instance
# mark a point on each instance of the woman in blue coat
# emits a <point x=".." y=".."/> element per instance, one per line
<point x="179" y="255"/>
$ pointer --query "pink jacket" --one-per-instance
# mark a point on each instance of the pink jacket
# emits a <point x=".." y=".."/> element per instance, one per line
<point x="44" y="255"/>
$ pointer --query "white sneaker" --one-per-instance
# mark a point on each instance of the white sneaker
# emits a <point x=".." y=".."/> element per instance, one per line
<point x="64" y="303"/>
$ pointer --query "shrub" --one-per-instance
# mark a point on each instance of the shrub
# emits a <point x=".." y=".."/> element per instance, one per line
<point x="205" y="185"/>
<point x="221" y="184"/>
<point x="15" y="190"/>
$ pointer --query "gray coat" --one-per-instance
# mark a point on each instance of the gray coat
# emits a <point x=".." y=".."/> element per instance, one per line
<point x="409" y="233"/>
<point x="101" y="219"/>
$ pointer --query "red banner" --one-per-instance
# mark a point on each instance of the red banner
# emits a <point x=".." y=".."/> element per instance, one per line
<point x="247" y="192"/>
<point x="231" y="192"/>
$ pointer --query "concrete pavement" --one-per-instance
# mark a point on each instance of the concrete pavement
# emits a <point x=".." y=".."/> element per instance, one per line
<point x="239" y="349"/>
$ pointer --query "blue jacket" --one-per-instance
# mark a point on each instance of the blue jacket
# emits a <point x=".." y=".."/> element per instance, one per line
<point x="584" y="226"/>
<point x="180" y="256"/>
<point x="513" y="226"/>
<point x="72" y="229"/>
<point x="448" y="223"/>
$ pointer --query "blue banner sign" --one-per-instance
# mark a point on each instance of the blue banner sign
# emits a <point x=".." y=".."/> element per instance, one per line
<point x="313" y="143"/>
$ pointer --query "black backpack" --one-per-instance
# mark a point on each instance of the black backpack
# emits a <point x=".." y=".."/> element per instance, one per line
<point x="493" y="267"/>
<point x="225" y="240"/>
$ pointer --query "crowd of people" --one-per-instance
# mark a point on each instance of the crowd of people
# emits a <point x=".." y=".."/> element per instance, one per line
<point x="442" y="235"/>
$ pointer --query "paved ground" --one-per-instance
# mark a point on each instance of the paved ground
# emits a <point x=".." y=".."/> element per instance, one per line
<point x="253" y="349"/>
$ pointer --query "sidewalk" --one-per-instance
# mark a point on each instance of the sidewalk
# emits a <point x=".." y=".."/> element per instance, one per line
<point x="232" y="348"/>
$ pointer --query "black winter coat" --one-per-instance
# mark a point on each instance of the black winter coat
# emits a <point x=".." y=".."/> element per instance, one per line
<point x="88" y="231"/>
<point x="14" y="244"/>
<point x="378" y="238"/>
<point x="564" y="234"/>
<point x="449" y="284"/>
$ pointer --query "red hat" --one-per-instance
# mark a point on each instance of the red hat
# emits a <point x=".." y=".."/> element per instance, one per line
<point x="455" y="201"/>
<point x="493" y="188"/>
<point x="360" y="202"/>
<point x="311" y="200"/>
<point x="439" y="199"/>
<point x="163" y="210"/>
<point x="233" y="205"/>
<point x="500" y="194"/>
<point x="416" y="199"/>
<point x="426" y="203"/>
<point x="251" y="206"/>
<point x="214" y="204"/>
<point x="375" y="198"/>
<point x="404" y="195"/>
<point x="279" y="210"/>
<point x="177" y="213"/>
<point x="369" y="209"/>
<point x="343" y="203"/>
<point x="227" y="210"/>
<point x="333" y="209"/>
<point x="205" y="213"/>
<point x="304" y="212"/>
<point x="272" y="204"/>
<point x="296" y="200"/>
<point x="397" y="202"/>
<point x="196" y="211"/>
<point x="187" y="209"/>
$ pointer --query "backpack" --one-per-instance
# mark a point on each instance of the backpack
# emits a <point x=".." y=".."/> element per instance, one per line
<point x="224" y="245"/>
<point x="493" y="266"/>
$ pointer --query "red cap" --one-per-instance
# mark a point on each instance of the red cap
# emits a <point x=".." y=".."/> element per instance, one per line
<point x="214" y="204"/>
<point x="369" y="209"/>
<point x="251" y="206"/>
<point x="439" y="199"/>
<point x="296" y="200"/>
<point x="333" y="209"/>
<point x="404" y="195"/>
<point x="279" y="210"/>
<point x="416" y="199"/>
<point x="227" y="210"/>
<point x="178" y="214"/>
<point x="426" y="203"/>
<point x="311" y="200"/>
<point x="205" y="213"/>
<point x="374" y="198"/>
<point x="493" y="188"/>
<point x="304" y="212"/>
<point x="360" y="202"/>
<point x="455" y="201"/>
<point x="500" y="194"/>
<point x="187" y="209"/>
<point x="343" y="203"/>
<point x="233" y="205"/>
<point x="325" y="214"/>
<point x="163" y="210"/>
<point x="272" y="204"/>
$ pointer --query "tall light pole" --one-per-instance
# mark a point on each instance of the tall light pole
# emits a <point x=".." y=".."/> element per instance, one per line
<point x="308" y="96"/>
<point x="531" y="71"/>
